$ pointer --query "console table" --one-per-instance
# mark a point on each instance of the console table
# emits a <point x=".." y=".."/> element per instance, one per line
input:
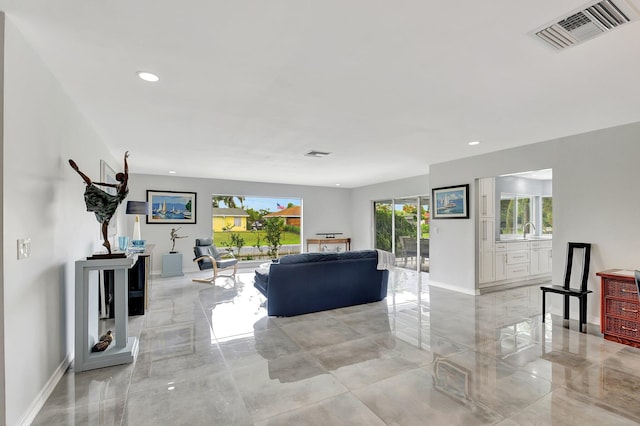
<point x="138" y="288"/>
<point x="123" y="349"/>
<point x="619" y="307"/>
<point x="322" y="241"/>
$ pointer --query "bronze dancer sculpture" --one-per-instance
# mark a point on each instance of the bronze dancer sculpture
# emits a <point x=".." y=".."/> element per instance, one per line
<point x="174" y="236"/>
<point x="101" y="203"/>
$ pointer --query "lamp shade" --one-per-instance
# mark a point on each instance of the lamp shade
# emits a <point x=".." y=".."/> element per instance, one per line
<point x="137" y="207"/>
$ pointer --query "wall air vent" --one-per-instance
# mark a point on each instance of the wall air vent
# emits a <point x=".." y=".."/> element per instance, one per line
<point x="317" y="154"/>
<point x="586" y="23"/>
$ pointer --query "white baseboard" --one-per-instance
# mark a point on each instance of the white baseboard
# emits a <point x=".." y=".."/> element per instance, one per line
<point x="46" y="391"/>
<point x="475" y="292"/>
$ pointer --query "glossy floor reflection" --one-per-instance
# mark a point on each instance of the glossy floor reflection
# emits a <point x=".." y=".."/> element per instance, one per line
<point x="210" y="355"/>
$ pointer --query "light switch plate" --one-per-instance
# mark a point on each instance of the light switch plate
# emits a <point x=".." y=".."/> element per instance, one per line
<point x="24" y="248"/>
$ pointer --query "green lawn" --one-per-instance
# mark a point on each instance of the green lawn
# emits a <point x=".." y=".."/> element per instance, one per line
<point x="221" y="239"/>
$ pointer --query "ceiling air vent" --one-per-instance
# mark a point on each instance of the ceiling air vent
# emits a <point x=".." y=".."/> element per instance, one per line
<point x="317" y="154"/>
<point x="586" y="23"/>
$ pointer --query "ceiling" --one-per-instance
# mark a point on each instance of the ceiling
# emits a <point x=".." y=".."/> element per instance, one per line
<point x="248" y="87"/>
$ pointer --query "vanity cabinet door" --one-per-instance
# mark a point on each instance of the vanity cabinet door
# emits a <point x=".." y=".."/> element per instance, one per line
<point x="486" y="255"/>
<point x="534" y="262"/>
<point x="487" y="273"/>
<point x="540" y="262"/>
<point x="487" y="197"/>
<point x="501" y="265"/>
<point x="545" y="261"/>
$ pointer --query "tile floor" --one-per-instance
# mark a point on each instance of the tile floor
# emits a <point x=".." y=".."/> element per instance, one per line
<point x="209" y="355"/>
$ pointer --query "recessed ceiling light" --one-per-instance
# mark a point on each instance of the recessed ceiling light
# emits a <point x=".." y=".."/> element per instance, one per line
<point x="172" y="172"/>
<point x="474" y="143"/>
<point x="338" y="184"/>
<point x="148" y="76"/>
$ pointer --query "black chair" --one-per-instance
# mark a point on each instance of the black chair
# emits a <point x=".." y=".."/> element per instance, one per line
<point x="209" y="257"/>
<point x="637" y="276"/>
<point x="408" y="248"/>
<point x="565" y="290"/>
<point x="424" y="254"/>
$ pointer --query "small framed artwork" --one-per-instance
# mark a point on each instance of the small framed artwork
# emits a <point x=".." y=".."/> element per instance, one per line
<point x="107" y="175"/>
<point x="171" y="207"/>
<point x="451" y="202"/>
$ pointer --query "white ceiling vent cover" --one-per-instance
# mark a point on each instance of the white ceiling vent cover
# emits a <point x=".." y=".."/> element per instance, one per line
<point x="586" y="23"/>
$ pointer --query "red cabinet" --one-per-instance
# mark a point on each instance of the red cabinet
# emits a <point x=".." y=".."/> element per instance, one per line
<point x="619" y="307"/>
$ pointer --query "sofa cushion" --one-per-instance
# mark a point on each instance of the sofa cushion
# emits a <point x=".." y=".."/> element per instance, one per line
<point x="358" y="254"/>
<point x="261" y="280"/>
<point x="326" y="257"/>
<point x="294" y="258"/>
<point x="323" y="257"/>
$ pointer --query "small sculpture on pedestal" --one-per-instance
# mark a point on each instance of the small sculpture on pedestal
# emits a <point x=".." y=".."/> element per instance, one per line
<point x="101" y="203"/>
<point x="174" y="236"/>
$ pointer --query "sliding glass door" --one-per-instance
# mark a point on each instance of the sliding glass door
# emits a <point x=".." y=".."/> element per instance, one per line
<point x="402" y="227"/>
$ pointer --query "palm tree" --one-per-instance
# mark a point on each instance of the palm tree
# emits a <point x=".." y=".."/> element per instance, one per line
<point x="227" y="200"/>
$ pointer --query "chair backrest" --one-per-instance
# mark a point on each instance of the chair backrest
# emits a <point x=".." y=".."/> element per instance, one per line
<point x="408" y="244"/>
<point x="637" y="276"/>
<point x="205" y="246"/>
<point x="586" y="259"/>
<point x="424" y="247"/>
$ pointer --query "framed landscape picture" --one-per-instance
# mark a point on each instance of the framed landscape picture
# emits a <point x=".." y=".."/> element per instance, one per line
<point x="451" y="202"/>
<point x="171" y="207"/>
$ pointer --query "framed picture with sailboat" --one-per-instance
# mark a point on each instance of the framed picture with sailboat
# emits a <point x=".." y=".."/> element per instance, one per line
<point x="450" y="202"/>
<point x="171" y="207"/>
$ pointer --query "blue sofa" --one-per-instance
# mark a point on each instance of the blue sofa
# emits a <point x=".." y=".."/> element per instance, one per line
<point x="302" y="283"/>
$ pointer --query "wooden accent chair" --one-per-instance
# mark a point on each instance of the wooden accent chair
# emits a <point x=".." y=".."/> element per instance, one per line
<point x="209" y="257"/>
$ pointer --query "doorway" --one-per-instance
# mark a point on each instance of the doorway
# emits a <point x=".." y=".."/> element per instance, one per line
<point x="401" y="227"/>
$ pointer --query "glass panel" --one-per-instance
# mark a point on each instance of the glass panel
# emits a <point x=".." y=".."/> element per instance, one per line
<point x="515" y="211"/>
<point x="406" y="227"/>
<point x="547" y="215"/>
<point x="507" y="215"/>
<point x="255" y="227"/>
<point x="383" y="225"/>
<point x="523" y="213"/>
<point x="401" y="230"/>
<point x="424" y="233"/>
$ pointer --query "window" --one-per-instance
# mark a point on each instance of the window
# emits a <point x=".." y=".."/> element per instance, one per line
<point x="547" y="216"/>
<point x="515" y="211"/>
<point x="255" y="227"/>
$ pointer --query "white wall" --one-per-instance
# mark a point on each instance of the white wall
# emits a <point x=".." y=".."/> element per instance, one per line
<point x="2" y="320"/>
<point x="43" y="200"/>
<point x="362" y="205"/>
<point x="323" y="209"/>
<point x="595" y="178"/>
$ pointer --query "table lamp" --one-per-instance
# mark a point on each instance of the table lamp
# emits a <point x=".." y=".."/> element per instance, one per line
<point x="137" y="208"/>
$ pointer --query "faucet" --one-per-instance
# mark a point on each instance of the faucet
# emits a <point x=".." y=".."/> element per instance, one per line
<point x="524" y="228"/>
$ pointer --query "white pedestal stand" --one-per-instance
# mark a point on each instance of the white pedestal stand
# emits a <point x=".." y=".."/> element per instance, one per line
<point x="123" y="349"/>
<point x="171" y="265"/>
